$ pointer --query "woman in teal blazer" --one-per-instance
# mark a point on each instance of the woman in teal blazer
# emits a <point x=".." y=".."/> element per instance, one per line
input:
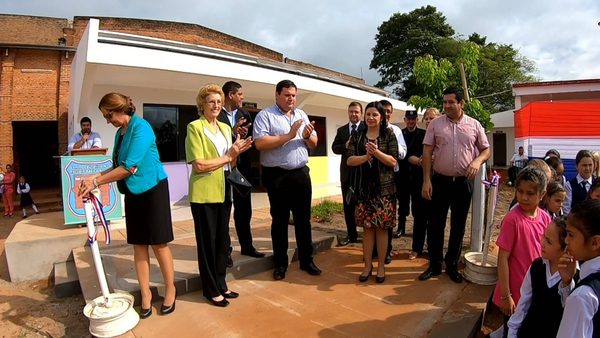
<point x="209" y="149"/>
<point x="141" y="177"/>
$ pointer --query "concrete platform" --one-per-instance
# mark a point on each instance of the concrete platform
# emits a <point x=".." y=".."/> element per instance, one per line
<point x="118" y="260"/>
<point x="39" y="241"/>
<point x="331" y="305"/>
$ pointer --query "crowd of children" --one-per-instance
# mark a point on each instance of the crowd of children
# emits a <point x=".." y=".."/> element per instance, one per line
<point x="540" y="289"/>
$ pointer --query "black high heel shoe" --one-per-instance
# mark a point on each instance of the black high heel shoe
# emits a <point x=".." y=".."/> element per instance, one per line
<point x="380" y="279"/>
<point x="231" y="295"/>
<point x="145" y="313"/>
<point x="165" y="310"/>
<point x="363" y="278"/>
<point x="220" y="303"/>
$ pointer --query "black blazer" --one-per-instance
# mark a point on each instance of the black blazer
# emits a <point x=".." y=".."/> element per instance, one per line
<point x="243" y="162"/>
<point x="339" y="147"/>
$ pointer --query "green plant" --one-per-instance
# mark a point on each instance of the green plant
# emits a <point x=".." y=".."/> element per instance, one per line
<point x="324" y="211"/>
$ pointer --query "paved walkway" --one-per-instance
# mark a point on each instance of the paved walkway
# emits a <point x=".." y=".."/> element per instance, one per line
<point x="331" y="305"/>
<point x="334" y="304"/>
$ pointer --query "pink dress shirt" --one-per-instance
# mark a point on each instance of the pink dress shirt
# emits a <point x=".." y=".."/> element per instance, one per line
<point x="455" y="144"/>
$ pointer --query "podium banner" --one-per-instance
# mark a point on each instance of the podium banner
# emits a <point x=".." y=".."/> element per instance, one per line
<point x="76" y="168"/>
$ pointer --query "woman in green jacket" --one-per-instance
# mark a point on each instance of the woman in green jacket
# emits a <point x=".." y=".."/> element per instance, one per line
<point x="209" y="149"/>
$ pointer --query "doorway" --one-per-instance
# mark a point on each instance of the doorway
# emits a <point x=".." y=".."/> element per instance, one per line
<point x="34" y="145"/>
<point x="500" y="149"/>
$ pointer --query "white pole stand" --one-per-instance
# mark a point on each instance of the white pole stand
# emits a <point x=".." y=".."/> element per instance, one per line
<point x="111" y="314"/>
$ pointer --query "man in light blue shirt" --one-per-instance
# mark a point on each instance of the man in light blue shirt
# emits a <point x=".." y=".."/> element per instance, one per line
<point x="283" y="134"/>
<point x="86" y="139"/>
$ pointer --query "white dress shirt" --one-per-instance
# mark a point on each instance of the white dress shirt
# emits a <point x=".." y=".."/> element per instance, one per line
<point x="514" y="324"/>
<point x="581" y="306"/>
<point x="401" y="144"/>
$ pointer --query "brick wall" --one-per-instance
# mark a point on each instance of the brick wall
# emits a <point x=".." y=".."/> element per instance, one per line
<point x="31" y="30"/>
<point x="6" y="87"/>
<point x="324" y="71"/>
<point x="35" y="85"/>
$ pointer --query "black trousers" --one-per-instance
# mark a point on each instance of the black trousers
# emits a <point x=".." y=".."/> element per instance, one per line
<point x="242" y="214"/>
<point x="410" y="201"/>
<point x="289" y="190"/>
<point x="403" y="196"/>
<point x="211" y="225"/>
<point x="349" y="213"/>
<point x="452" y="193"/>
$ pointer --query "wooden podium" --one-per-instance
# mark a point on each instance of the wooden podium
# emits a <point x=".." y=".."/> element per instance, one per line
<point x="87" y="152"/>
<point x="82" y="163"/>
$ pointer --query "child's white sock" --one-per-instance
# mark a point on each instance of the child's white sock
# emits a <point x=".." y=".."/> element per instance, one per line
<point x="35" y="209"/>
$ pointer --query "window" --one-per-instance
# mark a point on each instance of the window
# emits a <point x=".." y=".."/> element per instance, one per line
<point x="320" y="128"/>
<point x="169" y="123"/>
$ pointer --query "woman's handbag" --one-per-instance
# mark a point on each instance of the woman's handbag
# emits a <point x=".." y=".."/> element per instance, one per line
<point x="239" y="182"/>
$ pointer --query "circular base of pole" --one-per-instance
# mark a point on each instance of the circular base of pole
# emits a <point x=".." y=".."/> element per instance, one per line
<point x="479" y="273"/>
<point x="112" y="318"/>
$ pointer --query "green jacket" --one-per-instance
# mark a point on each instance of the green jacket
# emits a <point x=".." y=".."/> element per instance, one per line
<point x="206" y="187"/>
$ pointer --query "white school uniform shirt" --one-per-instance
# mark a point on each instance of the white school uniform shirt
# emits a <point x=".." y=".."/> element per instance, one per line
<point x="401" y="144"/>
<point x="580" y="307"/>
<point x="516" y="320"/>
<point x="569" y="189"/>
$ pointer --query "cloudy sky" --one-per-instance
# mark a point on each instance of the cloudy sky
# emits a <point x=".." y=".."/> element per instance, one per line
<point x="561" y="37"/>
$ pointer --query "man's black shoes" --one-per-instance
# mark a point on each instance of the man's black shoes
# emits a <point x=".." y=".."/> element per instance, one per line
<point x="279" y="273"/>
<point x="311" y="268"/>
<point x="430" y="272"/>
<point x="253" y="253"/>
<point x="455" y="276"/>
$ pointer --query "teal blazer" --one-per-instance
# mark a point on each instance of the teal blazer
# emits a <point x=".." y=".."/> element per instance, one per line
<point x="139" y="156"/>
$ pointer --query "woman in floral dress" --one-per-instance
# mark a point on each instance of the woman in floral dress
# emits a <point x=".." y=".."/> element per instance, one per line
<point x="374" y="152"/>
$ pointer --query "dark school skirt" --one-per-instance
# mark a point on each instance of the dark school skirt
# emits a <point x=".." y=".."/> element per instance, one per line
<point x="26" y="200"/>
<point x="148" y="215"/>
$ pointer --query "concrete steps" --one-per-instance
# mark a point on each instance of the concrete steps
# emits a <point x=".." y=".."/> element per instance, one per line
<point x="119" y="267"/>
<point x="66" y="280"/>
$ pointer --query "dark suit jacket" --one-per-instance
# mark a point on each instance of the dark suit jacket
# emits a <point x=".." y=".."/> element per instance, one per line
<point x="243" y="162"/>
<point x="339" y="147"/>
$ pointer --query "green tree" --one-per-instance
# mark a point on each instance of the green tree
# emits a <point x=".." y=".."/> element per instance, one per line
<point x="424" y="31"/>
<point x="433" y="76"/>
<point x="404" y="37"/>
<point x="499" y="67"/>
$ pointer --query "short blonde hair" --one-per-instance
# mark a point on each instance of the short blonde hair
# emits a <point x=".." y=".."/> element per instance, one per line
<point x="540" y="164"/>
<point x="434" y="111"/>
<point x="203" y="93"/>
<point x="596" y="158"/>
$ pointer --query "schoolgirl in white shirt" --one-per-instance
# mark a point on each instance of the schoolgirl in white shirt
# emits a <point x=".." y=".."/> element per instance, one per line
<point x="540" y="307"/>
<point x="581" y="318"/>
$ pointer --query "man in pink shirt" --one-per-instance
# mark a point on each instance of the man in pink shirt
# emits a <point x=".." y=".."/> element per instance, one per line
<point x="459" y="146"/>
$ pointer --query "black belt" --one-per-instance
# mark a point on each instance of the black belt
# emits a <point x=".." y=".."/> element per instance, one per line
<point x="450" y="178"/>
<point x="280" y="169"/>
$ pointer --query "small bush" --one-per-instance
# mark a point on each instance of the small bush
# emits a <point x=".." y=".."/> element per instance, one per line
<point x="324" y="211"/>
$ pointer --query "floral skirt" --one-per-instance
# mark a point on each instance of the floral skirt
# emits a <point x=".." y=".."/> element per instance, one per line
<point x="378" y="212"/>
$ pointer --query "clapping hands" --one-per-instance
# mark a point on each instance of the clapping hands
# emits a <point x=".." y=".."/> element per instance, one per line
<point x="239" y="146"/>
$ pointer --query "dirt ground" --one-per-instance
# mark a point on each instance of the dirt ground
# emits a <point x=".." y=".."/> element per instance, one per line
<point x="30" y="309"/>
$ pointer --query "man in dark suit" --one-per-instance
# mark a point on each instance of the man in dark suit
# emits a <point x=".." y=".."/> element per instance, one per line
<point x="339" y="146"/>
<point x="240" y="122"/>
<point x="409" y="182"/>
